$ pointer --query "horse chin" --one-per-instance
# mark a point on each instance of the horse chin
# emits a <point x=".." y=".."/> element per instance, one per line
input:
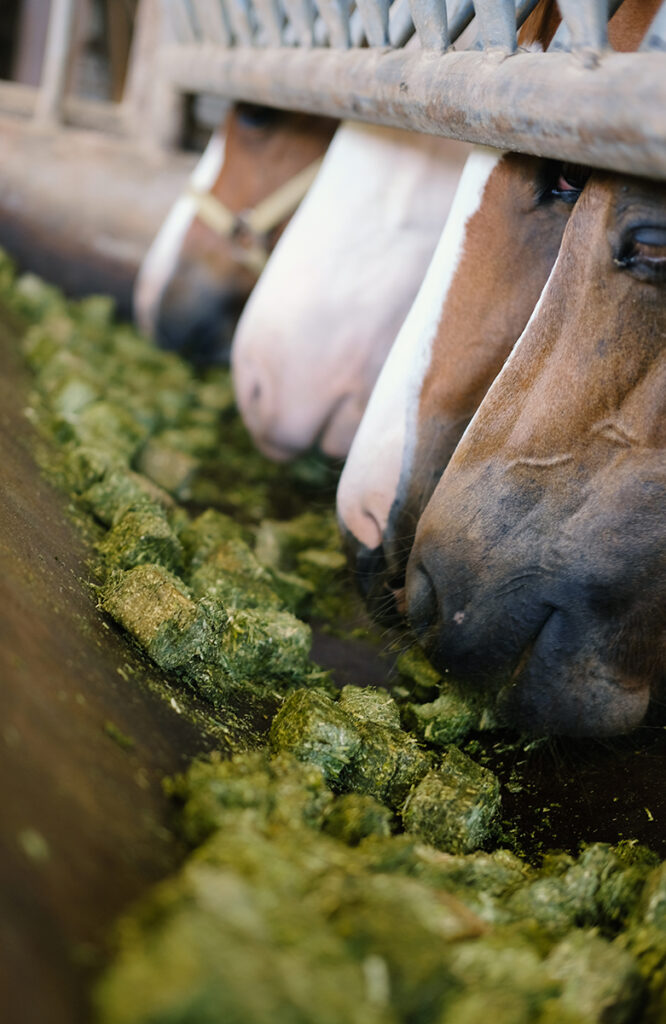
<point x="275" y="450"/>
<point x="580" y="695"/>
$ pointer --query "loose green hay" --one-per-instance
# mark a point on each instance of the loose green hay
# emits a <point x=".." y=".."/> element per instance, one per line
<point x="351" y="870"/>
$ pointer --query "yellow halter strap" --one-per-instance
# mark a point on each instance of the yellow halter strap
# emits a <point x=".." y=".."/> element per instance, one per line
<point x="258" y="221"/>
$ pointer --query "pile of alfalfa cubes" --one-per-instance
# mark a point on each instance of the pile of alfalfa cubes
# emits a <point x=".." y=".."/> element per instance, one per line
<point x="350" y="869"/>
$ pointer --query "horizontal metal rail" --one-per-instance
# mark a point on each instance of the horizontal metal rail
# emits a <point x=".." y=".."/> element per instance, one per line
<point x="20" y="100"/>
<point x="612" y="115"/>
<point x="580" y="102"/>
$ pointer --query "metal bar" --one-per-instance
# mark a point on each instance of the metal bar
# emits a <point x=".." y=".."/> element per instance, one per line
<point x="335" y="15"/>
<point x="240" y="19"/>
<point x="375" y="17"/>
<point x="431" y="24"/>
<point x="56" y="61"/>
<point x="197" y="30"/>
<point x="271" y="20"/>
<point x="562" y="38"/>
<point x="301" y="15"/>
<point x="587" y="21"/>
<point x="546" y="104"/>
<point x="497" y="22"/>
<point x="460" y="19"/>
<point x="21" y="101"/>
<point x="523" y="10"/>
<point x="212" y="22"/>
<point x="401" y="25"/>
<point x="181" y="23"/>
<point x="356" y="29"/>
<point x="655" y="38"/>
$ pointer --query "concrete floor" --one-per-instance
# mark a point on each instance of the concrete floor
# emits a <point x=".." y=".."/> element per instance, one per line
<point x="81" y="208"/>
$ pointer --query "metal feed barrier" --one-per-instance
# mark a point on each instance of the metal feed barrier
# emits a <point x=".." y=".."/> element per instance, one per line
<point x="404" y="64"/>
<point x="451" y="69"/>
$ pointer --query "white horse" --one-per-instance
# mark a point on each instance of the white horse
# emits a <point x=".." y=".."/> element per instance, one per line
<point x="315" y="333"/>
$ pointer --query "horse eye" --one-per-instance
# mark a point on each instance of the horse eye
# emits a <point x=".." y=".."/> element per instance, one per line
<point x="642" y="251"/>
<point x="569" y="182"/>
<point x="254" y="116"/>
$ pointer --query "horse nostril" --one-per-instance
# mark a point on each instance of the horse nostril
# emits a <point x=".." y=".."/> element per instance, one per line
<point x="253" y="395"/>
<point x="421" y="599"/>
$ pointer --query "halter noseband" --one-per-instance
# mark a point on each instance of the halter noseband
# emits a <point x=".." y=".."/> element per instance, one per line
<point x="259" y="220"/>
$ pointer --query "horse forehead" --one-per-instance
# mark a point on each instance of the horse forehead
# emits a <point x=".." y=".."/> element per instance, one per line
<point x="384" y="423"/>
<point x="343" y="219"/>
<point x="363" y="155"/>
<point x="413" y="346"/>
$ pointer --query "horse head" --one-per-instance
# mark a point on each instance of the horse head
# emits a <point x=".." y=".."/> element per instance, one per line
<point x="539" y="565"/>
<point x="207" y="256"/>
<point x="491" y="264"/>
<point x="315" y="333"/>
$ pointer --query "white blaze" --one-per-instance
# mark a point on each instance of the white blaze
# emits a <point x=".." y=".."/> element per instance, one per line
<point x="318" y="325"/>
<point x="162" y="258"/>
<point x="369" y="482"/>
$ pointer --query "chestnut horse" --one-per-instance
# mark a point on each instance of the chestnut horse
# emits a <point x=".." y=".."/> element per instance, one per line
<point x="491" y="264"/>
<point x="209" y="252"/>
<point x="539" y="565"/>
<point x="315" y="333"/>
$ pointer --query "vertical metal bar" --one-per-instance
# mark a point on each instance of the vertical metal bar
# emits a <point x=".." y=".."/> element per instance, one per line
<point x="497" y="24"/>
<point x="141" y="72"/>
<point x="431" y="24"/>
<point x="356" y="29"/>
<point x="179" y="14"/>
<point x="375" y="17"/>
<point x="401" y="24"/>
<point x="271" y="20"/>
<point x="335" y="15"/>
<point x="301" y="15"/>
<point x="562" y="40"/>
<point x="224" y="17"/>
<point x="460" y="19"/>
<point x="48" y="109"/>
<point x="523" y="10"/>
<point x="197" y="30"/>
<point x="655" y="37"/>
<point x="238" y="12"/>
<point x="587" y="21"/>
<point x="212" y="24"/>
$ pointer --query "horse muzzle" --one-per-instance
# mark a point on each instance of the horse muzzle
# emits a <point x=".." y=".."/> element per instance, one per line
<point x="533" y="642"/>
<point x="200" y="326"/>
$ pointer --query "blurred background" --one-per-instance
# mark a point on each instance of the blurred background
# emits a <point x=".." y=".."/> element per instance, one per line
<point x="93" y="149"/>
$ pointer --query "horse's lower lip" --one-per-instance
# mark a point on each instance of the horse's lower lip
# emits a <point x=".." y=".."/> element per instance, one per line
<point x="522" y="664"/>
<point x="554" y="702"/>
<point x="276" y="452"/>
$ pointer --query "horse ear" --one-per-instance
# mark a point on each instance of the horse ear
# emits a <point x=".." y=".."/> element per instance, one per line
<point x="540" y="26"/>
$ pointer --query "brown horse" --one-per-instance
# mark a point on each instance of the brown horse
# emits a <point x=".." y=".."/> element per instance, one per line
<point x="539" y="565"/>
<point x="485" y="279"/>
<point x="204" y="262"/>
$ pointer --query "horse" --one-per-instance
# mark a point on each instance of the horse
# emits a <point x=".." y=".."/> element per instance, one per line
<point x="208" y="254"/>
<point x="490" y="267"/>
<point x="313" y="336"/>
<point x="539" y="564"/>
